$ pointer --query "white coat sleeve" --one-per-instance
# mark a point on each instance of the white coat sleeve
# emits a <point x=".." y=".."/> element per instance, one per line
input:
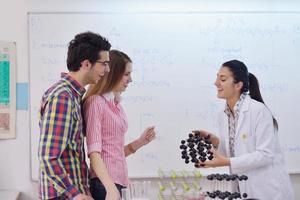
<point x="264" y="145"/>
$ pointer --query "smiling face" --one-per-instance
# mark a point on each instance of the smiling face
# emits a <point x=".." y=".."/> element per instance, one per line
<point x="226" y="87"/>
<point x="126" y="79"/>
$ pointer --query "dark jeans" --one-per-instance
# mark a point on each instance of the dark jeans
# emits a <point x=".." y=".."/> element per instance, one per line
<point x="98" y="190"/>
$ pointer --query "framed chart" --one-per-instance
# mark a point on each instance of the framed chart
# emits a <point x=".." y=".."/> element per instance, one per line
<point x="7" y="89"/>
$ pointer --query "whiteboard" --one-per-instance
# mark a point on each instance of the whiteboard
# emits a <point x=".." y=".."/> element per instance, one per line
<point x="175" y="60"/>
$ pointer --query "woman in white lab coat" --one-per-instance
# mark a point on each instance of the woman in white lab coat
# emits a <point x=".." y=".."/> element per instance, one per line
<point x="248" y="141"/>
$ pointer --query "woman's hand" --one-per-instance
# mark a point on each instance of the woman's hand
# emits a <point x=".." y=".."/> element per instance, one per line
<point x="82" y="197"/>
<point x="112" y="193"/>
<point x="147" y="136"/>
<point x="218" y="161"/>
<point x="214" y="139"/>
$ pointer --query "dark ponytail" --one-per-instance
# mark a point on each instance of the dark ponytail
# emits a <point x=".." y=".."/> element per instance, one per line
<point x="250" y="83"/>
<point x="254" y="93"/>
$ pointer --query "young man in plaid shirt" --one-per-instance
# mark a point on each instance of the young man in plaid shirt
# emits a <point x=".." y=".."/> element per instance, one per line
<point x="63" y="172"/>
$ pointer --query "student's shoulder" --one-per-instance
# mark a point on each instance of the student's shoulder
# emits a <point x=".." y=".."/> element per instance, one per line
<point x="94" y="99"/>
<point x="259" y="108"/>
<point x="256" y="105"/>
<point x="59" y="90"/>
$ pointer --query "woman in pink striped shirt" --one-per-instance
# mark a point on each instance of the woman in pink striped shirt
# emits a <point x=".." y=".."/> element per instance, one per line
<point x="106" y="125"/>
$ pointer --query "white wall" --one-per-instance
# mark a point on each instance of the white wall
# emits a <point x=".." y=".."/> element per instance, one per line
<point x="15" y="154"/>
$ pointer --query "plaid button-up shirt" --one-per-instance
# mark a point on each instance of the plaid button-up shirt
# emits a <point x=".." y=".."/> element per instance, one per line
<point x="63" y="171"/>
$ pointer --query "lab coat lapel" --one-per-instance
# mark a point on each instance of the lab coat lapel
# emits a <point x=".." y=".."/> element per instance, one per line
<point x="244" y="109"/>
<point x="226" y="131"/>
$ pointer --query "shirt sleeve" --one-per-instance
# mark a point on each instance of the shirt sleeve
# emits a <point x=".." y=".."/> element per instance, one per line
<point x="264" y="140"/>
<point x="93" y="116"/>
<point x="56" y="127"/>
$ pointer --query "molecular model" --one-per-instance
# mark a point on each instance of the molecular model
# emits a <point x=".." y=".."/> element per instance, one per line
<point x="216" y="179"/>
<point x="196" y="148"/>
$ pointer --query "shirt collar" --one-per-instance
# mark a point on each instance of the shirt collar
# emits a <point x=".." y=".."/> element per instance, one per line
<point x="109" y="96"/>
<point x="237" y="106"/>
<point x="73" y="83"/>
<point x="112" y="96"/>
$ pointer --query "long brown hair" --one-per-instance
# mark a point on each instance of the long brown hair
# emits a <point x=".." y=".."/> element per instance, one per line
<point x="118" y="61"/>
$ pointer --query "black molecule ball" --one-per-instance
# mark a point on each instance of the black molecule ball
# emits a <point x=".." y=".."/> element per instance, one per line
<point x="196" y="148"/>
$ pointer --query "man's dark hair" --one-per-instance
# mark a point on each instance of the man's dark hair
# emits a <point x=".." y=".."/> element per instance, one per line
<point x="84" y="46"/>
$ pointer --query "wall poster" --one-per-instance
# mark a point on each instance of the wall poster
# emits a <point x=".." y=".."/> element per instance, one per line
<point x="7" y="89"/>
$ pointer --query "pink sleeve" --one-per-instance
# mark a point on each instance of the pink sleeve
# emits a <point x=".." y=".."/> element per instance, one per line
<point x="92" y="114"/>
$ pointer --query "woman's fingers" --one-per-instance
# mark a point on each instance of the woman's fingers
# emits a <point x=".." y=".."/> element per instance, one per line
<point x="151" y="135"/>
<point x="148" y="135"/>
<point x="201" y="133"/>
<point x="150" y="128"/>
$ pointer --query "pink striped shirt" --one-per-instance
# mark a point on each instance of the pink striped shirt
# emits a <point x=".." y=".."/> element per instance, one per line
<point x="106" y="125"/>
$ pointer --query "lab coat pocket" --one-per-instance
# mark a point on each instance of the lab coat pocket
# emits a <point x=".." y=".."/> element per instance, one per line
<point x="244" y="137"/>
<point x="244" y="143"/>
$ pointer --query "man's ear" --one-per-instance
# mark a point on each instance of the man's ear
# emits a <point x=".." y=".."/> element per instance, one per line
<point x="86" y="64"/>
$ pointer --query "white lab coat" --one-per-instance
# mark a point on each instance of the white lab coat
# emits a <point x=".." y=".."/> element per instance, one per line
<point x="257" y="153"/>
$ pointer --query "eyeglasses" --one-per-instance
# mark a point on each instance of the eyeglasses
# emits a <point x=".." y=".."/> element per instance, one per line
<point x="105" y="63"/>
